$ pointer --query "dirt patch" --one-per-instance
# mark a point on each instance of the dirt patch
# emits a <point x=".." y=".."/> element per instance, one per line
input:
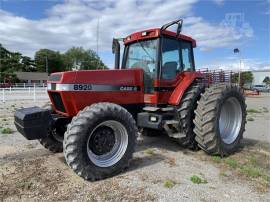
<point x="116" y="190"/>
<point x="33" y="179"/>
<point x="34" y="173"/>
<point x="250" y="164"/>
<point x="50" y="179"/>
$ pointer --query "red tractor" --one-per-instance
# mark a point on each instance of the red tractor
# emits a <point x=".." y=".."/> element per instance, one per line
<point x="95" y="115"/>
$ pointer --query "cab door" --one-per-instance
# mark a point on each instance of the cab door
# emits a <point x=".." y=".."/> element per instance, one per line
<point x="176" y="58"/>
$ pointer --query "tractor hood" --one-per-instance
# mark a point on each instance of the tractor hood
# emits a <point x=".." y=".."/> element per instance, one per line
<point x="96" y="80"/>
<point x="72" y="91"/>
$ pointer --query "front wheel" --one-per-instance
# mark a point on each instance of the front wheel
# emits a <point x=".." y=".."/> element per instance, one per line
<point x="220" y="119"/>
<point x="100" y="141"/>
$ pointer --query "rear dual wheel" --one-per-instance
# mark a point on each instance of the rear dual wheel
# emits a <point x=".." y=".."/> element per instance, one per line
<point x="100" y="141"/>
<point x="220" y="119"/>
<point x="186" y="114"/>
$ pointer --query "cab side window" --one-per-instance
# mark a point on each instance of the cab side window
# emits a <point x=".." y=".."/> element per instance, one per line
<point x="186" y="55"/>
<point x="170" y="59"/>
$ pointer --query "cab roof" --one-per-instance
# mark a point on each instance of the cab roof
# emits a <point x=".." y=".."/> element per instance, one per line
<point x="155" y="33"/>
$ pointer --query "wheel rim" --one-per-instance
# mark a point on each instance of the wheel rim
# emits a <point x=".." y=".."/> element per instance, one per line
<point x="230" y="120"/>
<point x="107" y="143"/>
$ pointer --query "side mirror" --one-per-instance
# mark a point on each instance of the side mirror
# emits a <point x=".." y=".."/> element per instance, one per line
<point x="179" y="27"/>
<point x="115" y="45"/>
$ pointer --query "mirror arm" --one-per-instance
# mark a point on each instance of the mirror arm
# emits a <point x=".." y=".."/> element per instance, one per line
<point x="179" y="26"/>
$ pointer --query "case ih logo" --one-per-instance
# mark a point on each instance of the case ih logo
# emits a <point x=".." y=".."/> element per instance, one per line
<point x="129" y="88"/>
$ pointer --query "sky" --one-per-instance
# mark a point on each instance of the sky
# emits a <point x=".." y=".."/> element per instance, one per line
<point x="218" y="26"/>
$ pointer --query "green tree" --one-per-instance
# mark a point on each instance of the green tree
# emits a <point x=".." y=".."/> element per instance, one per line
<point x="246" y="78"/>
<point x="78" y="58"/>
<point x="9" y="63"/>
<point x="74" y="58"/>
<point x="266" y="80"/>
<point x="52" y="59"/>
<point x="28" y="65"/>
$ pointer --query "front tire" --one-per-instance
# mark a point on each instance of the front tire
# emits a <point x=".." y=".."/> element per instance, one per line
<point x="100" y="141"/>
<point x="220" y="119"/>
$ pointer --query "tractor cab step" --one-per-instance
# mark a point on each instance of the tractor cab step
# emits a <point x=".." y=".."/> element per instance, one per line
<point x="172" y="128"/>
<point x="150" y="109"/>
<point x="176" y="135"/>
<point x="171" y="122"/>
<point x="158" y="109"/>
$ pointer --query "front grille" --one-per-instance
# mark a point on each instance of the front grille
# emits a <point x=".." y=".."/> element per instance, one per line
<point x="57" y="101"/>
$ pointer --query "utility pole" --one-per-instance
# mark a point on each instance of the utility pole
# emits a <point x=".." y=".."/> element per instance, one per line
<point x="46" y="62"/>
<point x="97" y="41"/>
<point x="236" y="50"/>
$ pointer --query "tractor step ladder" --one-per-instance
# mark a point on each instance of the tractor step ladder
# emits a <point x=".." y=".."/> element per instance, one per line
<point x="170" y="126"/>
<point x="160" y="109"/>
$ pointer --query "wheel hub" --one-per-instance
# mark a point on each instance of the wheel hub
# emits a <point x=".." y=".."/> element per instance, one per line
<point x="102" y="140"/>
<point x="230" y="120"/>
<point x="107" y="143"/>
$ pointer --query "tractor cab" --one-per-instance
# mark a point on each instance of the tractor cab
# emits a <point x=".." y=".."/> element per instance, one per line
<point x="162" y="54"/>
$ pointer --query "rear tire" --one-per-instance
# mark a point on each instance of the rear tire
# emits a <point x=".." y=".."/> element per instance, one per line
<point x="52" y="144"/>
<point x="54" y="141"/>
<point x="100" y="141"/>
<point x="220" y="119"/>
<point x="186" y="114"/>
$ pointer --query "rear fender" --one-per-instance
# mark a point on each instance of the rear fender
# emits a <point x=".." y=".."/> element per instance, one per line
<point x="182" y="86"/>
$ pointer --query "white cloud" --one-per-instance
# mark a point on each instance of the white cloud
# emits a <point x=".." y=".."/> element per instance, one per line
<point x="73" y="23"/>
<point x="218" y="2"/>
<point x="211" y="36"/>
<point x="251" y="64"/>
<point x="233" y="63"/>
<point x="267" y="12"/>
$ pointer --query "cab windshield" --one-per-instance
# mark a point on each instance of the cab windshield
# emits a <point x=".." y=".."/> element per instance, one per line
<point x="143" y="54"/>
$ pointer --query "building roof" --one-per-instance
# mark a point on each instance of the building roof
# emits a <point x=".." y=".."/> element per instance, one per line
<point x="32" y="75"/>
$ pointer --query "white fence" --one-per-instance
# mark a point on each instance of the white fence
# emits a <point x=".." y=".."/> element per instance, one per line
<point x="23" y="93"/>
<point x="25" y="85"/>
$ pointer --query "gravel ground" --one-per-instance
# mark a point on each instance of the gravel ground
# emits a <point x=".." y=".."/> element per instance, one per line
<point x="258" y="129"/>
<point x="159" y="171"/>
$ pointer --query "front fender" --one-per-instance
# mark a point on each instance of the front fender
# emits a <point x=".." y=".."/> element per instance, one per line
<point x="188" y="79"/>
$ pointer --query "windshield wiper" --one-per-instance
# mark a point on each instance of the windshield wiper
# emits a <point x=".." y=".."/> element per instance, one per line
<point x="153" y="61"/>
